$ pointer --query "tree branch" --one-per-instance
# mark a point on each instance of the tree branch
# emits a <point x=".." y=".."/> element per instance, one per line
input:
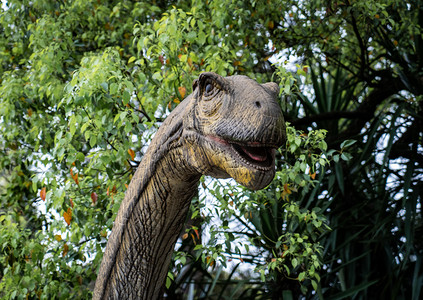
<point x="363" y="49"/>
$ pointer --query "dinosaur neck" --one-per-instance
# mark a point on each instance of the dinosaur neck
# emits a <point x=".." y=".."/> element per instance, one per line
<point x="147" y="226"/>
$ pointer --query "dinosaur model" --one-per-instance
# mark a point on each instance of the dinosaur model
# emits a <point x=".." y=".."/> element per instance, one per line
<point x="228" y="127"/>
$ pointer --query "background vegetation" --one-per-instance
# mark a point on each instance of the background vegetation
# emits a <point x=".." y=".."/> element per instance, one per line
<point x="84" y="85"/>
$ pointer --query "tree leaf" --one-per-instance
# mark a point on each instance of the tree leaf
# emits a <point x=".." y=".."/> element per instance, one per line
<point x="126" y="97"/>
<point x="94" y="197"/>
<point x="182" y="91"/>
<point x="105" y="86"/>
<point x="113" y="88"/>
<point x="294" y="262"/>
<point x="131" y="153"/>
<point x="68" y="215"/>
<point x="168" y="282"/>
<point x="131" y="59"/>
<point x="347" y="143"/>
<point x="43" y="194"/>
<point x="65" y="249"/>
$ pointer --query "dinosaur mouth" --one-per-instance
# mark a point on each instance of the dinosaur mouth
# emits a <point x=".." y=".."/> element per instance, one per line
<point x="252" y="154"/>
<point x="255" y="154"/>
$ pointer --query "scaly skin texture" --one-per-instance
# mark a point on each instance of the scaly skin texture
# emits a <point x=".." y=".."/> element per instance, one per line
<point x="228" y="127"/>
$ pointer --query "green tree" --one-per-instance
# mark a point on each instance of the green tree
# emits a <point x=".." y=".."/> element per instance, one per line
<point x="366" y="75"/>
<point x="84" y="85"/>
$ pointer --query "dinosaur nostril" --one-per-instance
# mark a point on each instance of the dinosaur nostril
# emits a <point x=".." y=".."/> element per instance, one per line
<point x="258" y="104"/>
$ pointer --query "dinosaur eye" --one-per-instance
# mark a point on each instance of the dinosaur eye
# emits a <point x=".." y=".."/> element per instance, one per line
<point x="209" y="89"/>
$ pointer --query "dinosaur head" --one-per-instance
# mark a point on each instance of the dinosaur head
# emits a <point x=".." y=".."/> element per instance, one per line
<point x="235" y="127"/>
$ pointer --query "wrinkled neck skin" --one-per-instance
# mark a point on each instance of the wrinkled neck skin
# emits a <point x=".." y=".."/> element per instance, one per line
<point x="149" y="221"/>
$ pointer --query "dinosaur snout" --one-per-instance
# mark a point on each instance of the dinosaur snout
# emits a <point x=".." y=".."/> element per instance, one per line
<point x="265" y="122"/>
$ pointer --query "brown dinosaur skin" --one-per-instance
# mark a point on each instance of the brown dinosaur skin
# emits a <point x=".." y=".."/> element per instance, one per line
<point x="228" y="127"/>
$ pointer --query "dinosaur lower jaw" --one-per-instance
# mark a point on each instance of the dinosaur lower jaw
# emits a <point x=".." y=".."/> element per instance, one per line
<point x="252" y="154"/>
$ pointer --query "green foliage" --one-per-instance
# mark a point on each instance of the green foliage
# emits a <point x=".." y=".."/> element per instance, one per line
<point x="85" y="84"/>
<point x="296" y="250"/>
<point x="274" y="232"/>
